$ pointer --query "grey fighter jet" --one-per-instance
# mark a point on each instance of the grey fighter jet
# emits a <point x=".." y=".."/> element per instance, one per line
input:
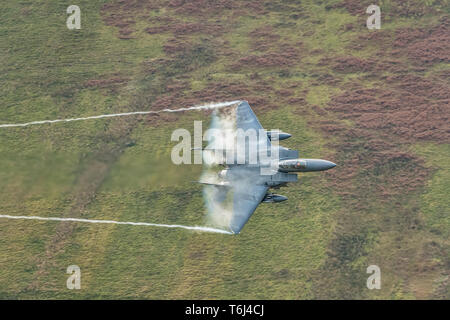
<point x="248" y="172"/>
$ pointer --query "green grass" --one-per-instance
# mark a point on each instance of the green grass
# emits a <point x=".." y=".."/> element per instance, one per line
<point x="120" y="169"/>
<point x="435" y="202"/>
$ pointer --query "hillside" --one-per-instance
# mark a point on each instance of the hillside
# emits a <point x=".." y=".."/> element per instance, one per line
<point x="376" y="102"/>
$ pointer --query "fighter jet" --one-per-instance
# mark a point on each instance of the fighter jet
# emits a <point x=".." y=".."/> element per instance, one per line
<point x="250" y="167"/>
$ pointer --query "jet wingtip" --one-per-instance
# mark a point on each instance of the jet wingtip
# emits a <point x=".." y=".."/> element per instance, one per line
<point x="235" y="231"/>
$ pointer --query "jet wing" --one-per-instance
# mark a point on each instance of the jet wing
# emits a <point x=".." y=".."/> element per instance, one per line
<point x="244" y="182"/>
<point x="245" y="118"/>
<point x="246" y="194"/>
<point x="246" y="199"/>
<point x="247" y="121"/>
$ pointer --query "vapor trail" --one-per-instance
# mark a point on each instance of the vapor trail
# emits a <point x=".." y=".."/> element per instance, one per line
<point x="201" y="107"/>
<point x="204" y="229"/>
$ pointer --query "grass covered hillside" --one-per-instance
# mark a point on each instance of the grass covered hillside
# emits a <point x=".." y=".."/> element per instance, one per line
<point x="376" y="102"/>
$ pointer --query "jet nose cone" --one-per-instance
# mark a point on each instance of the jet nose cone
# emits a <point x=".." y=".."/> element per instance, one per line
<point x="319" y="165"/>
<point x="328" y="165"/>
